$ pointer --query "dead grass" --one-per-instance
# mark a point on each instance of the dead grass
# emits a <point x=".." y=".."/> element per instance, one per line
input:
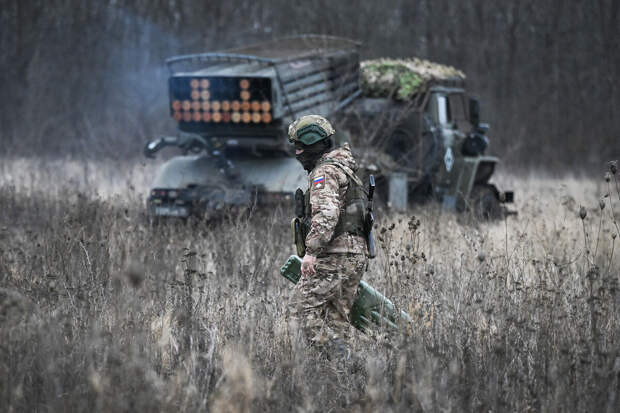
<point x="99" y="310"/>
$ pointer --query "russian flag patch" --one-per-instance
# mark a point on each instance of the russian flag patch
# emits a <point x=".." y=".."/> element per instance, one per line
<point x="319" y="181"/>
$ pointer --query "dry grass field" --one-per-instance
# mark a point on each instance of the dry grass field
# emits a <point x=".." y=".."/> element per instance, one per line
<point x="102" y="311"/>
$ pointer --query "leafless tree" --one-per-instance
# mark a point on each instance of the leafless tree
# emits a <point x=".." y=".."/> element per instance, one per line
<point x="88" y="78"/>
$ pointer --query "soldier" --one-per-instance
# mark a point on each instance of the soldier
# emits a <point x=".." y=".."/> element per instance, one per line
<point x="333" y="229"/>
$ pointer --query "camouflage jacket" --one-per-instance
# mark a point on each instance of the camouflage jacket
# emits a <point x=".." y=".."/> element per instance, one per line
<point x="328" y="185"/>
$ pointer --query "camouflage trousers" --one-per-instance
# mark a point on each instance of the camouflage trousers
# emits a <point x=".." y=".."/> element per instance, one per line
<point x="322" y="302"/>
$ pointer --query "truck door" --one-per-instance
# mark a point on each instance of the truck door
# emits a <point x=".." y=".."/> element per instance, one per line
<point x="450" y="116"/>
<point x="443" y="118"/>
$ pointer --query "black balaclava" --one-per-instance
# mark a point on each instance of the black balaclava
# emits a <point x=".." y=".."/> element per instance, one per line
<point x="312" y="153"/>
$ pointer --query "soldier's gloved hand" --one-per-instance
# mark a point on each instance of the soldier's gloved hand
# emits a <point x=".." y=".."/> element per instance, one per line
<point x="307" y="265"/>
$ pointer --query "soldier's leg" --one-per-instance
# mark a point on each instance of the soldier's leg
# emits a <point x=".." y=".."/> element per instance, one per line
<point x="307" y="307"/>
<point x="323" y="301"/>
<point x="312" y="301"/>
<point x="350" y="269"/>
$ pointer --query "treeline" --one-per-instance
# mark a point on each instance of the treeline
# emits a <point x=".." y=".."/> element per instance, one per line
<point x="88" y="77"/>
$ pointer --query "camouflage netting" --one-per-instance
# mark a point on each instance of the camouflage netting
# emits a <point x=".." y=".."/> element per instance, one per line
<point x="403" y="78"/>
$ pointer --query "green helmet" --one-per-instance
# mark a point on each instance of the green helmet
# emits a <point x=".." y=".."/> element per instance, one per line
<point x="310" y="129"/>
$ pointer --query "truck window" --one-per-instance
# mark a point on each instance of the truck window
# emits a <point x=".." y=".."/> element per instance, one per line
<point x="457" y="108"/>
<point x="458" y="112"/>
<point x="443" y="110"/>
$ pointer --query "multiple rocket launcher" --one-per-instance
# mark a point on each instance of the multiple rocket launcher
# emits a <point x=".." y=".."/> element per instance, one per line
<point x="252" y="93"/>
<point x="221" y="100"/>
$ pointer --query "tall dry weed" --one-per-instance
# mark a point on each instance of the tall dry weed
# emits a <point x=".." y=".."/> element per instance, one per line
<point x="237" y="385"/>
<point x="101" y="310"/>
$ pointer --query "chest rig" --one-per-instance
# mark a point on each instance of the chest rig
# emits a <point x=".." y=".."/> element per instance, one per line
<point x="352" y="212"/>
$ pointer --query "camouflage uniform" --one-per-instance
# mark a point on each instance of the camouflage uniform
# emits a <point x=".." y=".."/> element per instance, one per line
<point x="323" y="300"/>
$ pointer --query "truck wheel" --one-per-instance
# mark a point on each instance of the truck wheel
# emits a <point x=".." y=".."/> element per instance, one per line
<point x="484" y="204"/>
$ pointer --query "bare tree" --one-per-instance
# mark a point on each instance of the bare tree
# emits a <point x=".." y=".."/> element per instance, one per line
<point x="77" y="73"/>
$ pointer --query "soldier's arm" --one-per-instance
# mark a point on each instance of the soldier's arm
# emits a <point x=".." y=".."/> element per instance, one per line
<point x="325" y="203"/>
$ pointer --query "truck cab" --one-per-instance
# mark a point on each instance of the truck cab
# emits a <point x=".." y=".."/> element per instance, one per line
<point x="462" y="179"/>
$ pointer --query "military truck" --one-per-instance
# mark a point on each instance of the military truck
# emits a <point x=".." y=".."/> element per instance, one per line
<point x="410" y="122"/>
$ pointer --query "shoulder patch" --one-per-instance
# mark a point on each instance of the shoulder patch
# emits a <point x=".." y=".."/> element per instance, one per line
<point x="318" y="182"/>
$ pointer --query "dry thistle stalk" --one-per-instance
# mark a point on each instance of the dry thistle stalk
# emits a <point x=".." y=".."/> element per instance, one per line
<point x="582" y="213"/>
